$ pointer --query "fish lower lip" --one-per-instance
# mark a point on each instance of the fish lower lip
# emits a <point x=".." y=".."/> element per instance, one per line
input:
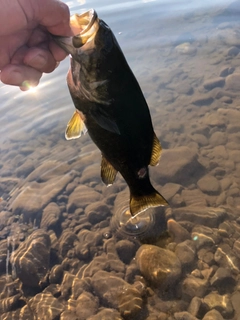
<point x="65" y="43"/>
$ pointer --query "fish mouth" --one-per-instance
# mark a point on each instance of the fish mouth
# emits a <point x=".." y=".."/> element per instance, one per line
<point x="84" y="27"/>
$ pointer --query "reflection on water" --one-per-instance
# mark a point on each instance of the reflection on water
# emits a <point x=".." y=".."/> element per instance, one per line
<point x="61" y="253"/>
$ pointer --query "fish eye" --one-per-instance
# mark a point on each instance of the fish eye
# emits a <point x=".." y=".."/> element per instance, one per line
<point x="77" y="42"/>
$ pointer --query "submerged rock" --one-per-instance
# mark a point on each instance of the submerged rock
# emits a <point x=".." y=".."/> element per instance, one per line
<point x="31" y="260"/>
<point x="206" y="216"/>
<point x="178" y="165"/>
<point x="117" y="293"/>
<point x="160" y="266"/>
<point x="213" y="315"/>
<point x="177" y="232"/>
<point x="19" y="314"/>
<point x="106" y="314"/>
<point x="194" y="287"/>
<point x="221" y="303"/>
<point x="33" y="198"/>
<point x="51" y="215"/>
<point x="81" y="197"/>
<point x="87" y="305"/>
<point x="45" y="306"/>
<point x="184" y="315"/>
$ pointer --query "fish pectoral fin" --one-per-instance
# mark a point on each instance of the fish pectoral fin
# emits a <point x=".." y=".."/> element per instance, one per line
<point x="156" y="151"/>
<point x="104" y="120"/>
<point x="142" y="203"/>
<point x="76" y="126"/>
<point x="108" y="173"/>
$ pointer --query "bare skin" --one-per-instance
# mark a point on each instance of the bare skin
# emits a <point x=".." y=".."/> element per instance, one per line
<point x="26" y="49"/>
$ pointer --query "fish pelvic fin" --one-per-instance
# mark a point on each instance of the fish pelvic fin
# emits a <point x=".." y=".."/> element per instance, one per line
<point x="142" y="203"/>
<point x="76" y="126"/>
<point x="156" y="151"/>
<point x="108" y="173"/>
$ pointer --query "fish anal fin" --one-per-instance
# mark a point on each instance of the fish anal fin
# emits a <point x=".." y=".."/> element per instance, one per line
<point x="142" y="203"/>
<point x="108" y="173"/>
<point x="76" y="126"/>
<point x="156" y="151"/>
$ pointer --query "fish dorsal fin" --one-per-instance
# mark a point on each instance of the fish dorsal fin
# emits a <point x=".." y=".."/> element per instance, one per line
<point x="76" y="126"/>
<point x="156" y="151"/>
<point x="104" y="120"/>
<point x="108" y="173"/>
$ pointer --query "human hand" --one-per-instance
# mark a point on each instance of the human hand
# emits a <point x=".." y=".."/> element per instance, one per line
<point x="26" y="47"/>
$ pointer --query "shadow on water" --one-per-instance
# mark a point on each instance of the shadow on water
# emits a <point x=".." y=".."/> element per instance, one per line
<point x="68" y="246"/>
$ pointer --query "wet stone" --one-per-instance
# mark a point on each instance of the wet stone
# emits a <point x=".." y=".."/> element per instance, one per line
<point x="51" y="215"/>
<point x="194" y="198"/>
<point x="88" y="243"/>
<point x="56" y="274"/>
<point x="31" y="260"/>
<point x="209" y="184"/>
<point x="194" y="306"/>
<point x="66" y="242"/>
<point x="194" y="287"/>
<point x="117" y="293"/>
<point x="213" y="83"/>
<point x="226" y="258"/>
<point x="206" y="256"/>
<point x="3" y="255"/>
<point x="161" y="267"/>
<point x="66" y="315"/>
<point x="186" y="252"/>
<point x="10" y="303"/>
<point x="218" y="138"/>
<point x="177" y="232"/>
<point x="213" y="315"/>
<point x="106" y="314"/>
<point x="221" y="303"/>
<point x="97" y="212"/>
<point x="205" y="236"/>
<point x="235" y="298"/>
<point x="170" y="189"/>
<point x="126" y="250"/>
<point x="177" y="164"/>
<point x="233" y="82"/>
<point x="19" y="314"/>
<point x="25" y="169"/>
<point x="79" y="286"/>
<point x="225" y="71"/>
<point x="223" y="280"/>
<point x="202" y="100"/>
<point x="184" y="315"/>
<point x="207" y="216"/>
<point x="236" y="248"/>
<point x="200" y="139"/>
<point x="66" y="284"/>
<point x="81" y="197"/>
<point x="87" y="305"/>
<point x="45" y="306"/>
<point x="33" y="198"/>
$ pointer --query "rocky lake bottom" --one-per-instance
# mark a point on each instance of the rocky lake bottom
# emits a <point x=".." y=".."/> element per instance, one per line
<point x="63" y="251"/>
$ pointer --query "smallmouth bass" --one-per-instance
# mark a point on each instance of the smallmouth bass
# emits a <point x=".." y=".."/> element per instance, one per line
<point x="111" y="107"/>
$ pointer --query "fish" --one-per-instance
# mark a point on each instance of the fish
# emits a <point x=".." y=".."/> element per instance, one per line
<point x="110" y="106"/>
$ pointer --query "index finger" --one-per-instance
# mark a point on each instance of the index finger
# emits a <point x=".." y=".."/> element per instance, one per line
<point x="53" y="14"/>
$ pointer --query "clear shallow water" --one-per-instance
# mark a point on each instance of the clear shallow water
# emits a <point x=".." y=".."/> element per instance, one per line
<point x="185" y="56"/>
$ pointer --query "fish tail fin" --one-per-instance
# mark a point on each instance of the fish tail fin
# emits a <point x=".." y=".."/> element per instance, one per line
<point x="141" y="203"/>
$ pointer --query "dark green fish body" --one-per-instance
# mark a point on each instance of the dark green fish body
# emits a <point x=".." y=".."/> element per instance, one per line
<point x="111" y="105"/>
